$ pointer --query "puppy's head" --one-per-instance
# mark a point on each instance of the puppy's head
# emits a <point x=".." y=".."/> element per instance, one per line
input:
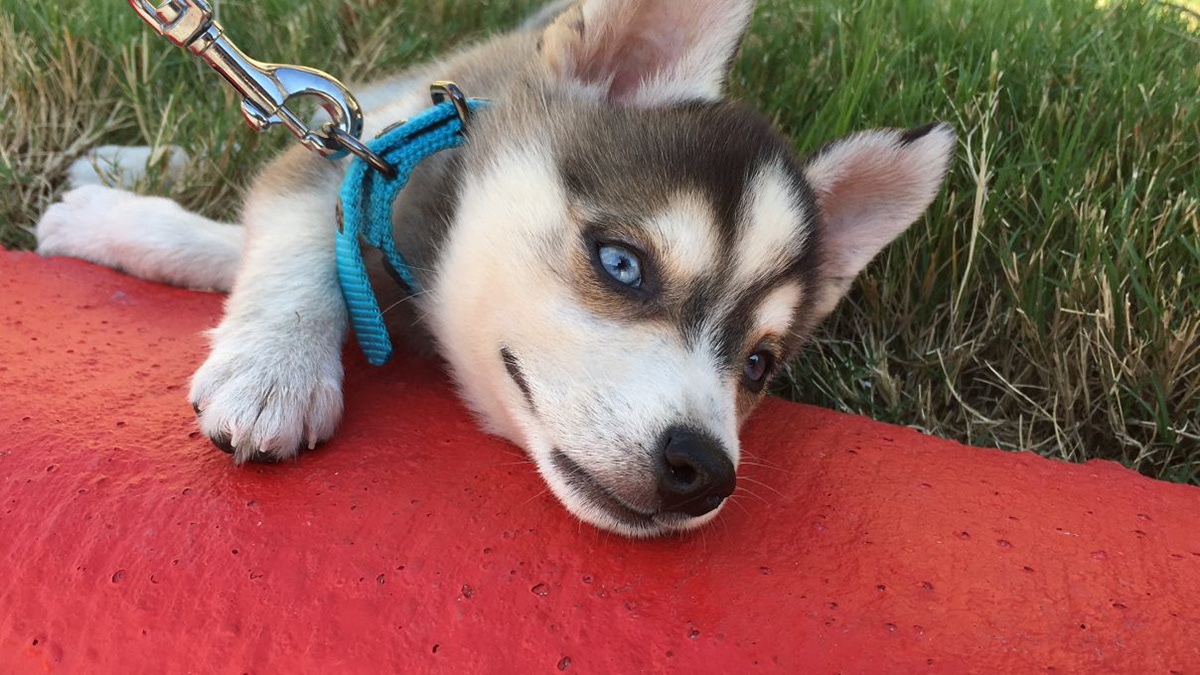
<point x="632" y="260"/>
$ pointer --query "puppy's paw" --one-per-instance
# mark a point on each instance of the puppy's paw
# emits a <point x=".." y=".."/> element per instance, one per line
<point x="113" y="228"/>
<point x="266" y="399"/>
<point x="85" y="224"/>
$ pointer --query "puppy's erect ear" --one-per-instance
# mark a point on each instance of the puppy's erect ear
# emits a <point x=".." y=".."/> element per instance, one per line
<point x="869" y="188"/>
<point x="646" y="52"/>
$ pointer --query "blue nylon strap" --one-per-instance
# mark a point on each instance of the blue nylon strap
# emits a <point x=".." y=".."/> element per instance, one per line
<point x="367" y="198"/>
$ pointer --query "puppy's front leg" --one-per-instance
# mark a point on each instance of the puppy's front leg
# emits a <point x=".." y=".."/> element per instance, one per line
<point x="273" y="381"/>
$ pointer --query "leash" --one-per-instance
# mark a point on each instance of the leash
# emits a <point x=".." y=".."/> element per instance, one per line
<point x="378" y="172"/>
<point x="366" y="208"/>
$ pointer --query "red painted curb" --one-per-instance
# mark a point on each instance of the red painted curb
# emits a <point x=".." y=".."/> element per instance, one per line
<point x="415" y="543"/>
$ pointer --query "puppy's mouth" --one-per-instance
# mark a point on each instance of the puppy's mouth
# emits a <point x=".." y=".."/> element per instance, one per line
<point x="593" y="491"/>
<point x="628" y="519"/>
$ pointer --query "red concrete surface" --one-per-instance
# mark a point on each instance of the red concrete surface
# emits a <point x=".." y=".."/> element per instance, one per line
<point x="413" y="543"/>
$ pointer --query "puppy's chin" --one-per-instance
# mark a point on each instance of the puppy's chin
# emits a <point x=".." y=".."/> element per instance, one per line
<point x="589" y="501"/>
<point x="659" y="525"/>
<point x="627" y="524"/>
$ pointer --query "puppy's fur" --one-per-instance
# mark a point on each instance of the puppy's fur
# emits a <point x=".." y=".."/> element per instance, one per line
<point x="608" y="128"/>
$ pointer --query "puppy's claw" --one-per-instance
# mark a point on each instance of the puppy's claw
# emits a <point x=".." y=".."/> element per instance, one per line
<point x="224" y="444"/>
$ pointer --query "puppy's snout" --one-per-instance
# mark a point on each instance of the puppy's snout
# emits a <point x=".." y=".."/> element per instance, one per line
<point x="696" y="473"/>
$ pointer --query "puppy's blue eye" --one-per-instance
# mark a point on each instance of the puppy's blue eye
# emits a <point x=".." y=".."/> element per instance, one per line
<point x="621" y="264"/>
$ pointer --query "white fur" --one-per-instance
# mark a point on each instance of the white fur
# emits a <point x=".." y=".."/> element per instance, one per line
<point x="272" y="383"/>
<point x="149" y="237"/>
<point x="687" y="234"/>
<point x="498" y="267"/>
<point x="774" y="228"/>
<point x="694" y="39"/>
<point x="777" y="311"/>
<point x="273" y="380"/>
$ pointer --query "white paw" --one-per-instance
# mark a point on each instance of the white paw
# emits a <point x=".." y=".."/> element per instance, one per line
<point x="93" y="222"/>
<point x="263" y="395"/>
<point x="125" y="166"/>
<point x="78" y="226"/>
<point x="148" y="237"/>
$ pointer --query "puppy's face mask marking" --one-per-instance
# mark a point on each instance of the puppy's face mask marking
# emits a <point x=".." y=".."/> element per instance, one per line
<point x="631" y="261"/>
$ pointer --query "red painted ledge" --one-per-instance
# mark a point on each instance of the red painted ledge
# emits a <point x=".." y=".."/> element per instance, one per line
<point x="414" y="543"/>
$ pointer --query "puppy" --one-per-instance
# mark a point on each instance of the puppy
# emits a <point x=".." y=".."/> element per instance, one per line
<point x="615" y="264"/>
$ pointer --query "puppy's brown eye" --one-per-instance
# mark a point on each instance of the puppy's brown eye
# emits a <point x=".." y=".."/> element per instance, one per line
<point x="758" y="366"/>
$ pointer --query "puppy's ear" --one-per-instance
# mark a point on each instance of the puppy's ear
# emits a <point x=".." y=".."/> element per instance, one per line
<point x="869" y="188"/>
<point x="646" y="53"/>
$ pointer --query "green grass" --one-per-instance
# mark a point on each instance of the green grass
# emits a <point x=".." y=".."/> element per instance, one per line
<point x="1049" y="301"/>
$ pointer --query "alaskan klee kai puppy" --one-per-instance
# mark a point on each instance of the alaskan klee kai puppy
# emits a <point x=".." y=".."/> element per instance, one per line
<point x="615" y="264"/>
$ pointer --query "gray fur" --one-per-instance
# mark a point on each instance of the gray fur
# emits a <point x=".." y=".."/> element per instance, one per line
<point x="622" y="162"/>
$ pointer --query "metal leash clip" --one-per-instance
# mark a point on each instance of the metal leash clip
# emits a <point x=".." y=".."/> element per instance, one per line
<point x="445" y="90"/>
<point x="265" y="88"/>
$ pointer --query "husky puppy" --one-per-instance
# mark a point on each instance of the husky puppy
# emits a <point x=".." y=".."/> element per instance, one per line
<point x="615" y="264"/>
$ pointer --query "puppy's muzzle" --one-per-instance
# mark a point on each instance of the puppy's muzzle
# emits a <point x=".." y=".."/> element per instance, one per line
<point x="696" y="473"/>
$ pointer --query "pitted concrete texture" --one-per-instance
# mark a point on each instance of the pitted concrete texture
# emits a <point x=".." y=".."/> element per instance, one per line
<point x="414" y="543"/>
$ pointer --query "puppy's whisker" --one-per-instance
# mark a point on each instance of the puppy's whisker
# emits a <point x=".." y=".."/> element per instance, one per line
<point x="540" y="493"/>
<point x="762" y="484"/>
<point x="421" y="269"/>
<point x="519" y="455"/>
<point x="403" y="300"/>
<point x="737" y="503"/>
<point x="523" y="462"/>
<point x="761" y="461"/>
<point x="747" y="491"/>
<point x="769" y="467"/>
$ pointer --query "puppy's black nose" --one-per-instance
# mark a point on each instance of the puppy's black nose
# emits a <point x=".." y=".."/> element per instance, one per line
<point x="696" y="473"/>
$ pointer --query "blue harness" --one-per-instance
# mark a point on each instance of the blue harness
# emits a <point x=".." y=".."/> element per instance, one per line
<point x="366" y="214"/>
